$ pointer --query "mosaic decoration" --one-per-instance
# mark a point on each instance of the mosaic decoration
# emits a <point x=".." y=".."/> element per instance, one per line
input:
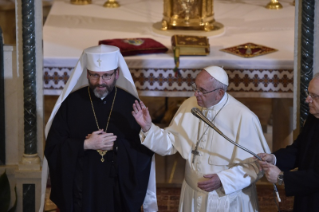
<point x="249" y="50"/>
<point x="164" y="80"/>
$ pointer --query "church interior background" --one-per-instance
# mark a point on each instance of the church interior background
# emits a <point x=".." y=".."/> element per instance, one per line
<point x="272" y="100"/>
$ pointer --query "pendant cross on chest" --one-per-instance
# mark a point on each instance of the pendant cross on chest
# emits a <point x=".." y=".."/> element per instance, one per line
<point x="195" y="153"/>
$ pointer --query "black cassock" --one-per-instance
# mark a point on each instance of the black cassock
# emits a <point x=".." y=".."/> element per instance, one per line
<point x="79" y="180"/>
<point x="304" y="154"/>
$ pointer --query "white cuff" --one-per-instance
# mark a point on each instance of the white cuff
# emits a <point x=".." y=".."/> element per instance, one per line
<point x="275" y="159"/>
<point x="144" y="134"/>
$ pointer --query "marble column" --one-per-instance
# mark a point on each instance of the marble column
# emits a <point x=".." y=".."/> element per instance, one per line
<point x="2" y="111"/>
<point x="307" y="43"/>
<point x="306" y="61"/>
<point x="30" y="157"/>
<point x="24" y="97"/>
<point x="316" y="40"/>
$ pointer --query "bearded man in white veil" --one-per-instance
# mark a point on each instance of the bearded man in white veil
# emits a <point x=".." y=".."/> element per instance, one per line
<point x="93" y="149"/>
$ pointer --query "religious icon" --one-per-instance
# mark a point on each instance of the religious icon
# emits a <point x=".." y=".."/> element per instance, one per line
<point x="186" y="6"/>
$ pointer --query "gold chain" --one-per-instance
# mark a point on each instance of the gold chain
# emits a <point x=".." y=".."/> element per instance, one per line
<point x="102" y="152"/>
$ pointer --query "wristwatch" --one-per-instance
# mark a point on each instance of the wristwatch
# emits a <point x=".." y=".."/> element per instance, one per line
<point x="280" y="178"/>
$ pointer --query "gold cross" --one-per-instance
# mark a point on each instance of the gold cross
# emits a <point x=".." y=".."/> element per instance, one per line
<point x="99" y="61"/>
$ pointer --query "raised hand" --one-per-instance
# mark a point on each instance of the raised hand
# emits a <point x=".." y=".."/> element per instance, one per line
<point x="99" y="140"/>
<point x="142" y="115"/>
<point x="212" y="183"/>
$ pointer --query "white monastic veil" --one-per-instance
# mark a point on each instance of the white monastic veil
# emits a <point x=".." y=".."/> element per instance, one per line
<point x="78" y="80"/>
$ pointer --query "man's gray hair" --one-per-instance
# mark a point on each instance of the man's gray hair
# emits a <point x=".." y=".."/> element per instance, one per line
<point x="219" y="84"/>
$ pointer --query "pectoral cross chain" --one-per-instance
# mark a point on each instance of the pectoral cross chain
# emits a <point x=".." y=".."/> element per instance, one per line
<point x="195" y="153"/>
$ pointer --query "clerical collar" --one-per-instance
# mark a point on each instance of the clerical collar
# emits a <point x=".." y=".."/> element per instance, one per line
<point x="94" y="98"/>
<point x="105" y="96"/>
<point x="219" y="105"/>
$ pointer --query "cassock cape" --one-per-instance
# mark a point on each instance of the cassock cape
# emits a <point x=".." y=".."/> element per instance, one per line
<point x="304" y="155"/>
<point x="74" y="169"/>
<point x="237" y="170"/>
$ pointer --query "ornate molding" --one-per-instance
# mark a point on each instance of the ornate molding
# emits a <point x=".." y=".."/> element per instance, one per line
<point x="307" y="41"/>
<point x="161" y="82"/>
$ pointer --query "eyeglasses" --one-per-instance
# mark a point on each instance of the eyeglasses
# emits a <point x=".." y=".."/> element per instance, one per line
<point x="312" y="96"/>
<point x="104" y="76"/>
<point x="200" y="91"/>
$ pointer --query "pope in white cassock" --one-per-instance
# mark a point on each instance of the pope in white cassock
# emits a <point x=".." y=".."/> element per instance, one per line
<point x="218" y="175"/>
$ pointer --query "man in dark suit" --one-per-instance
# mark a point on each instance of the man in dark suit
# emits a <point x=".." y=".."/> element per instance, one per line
<point x="303" y="154"/>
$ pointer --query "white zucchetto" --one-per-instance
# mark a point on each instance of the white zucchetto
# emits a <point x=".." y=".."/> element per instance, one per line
<point x="218" y="73"/>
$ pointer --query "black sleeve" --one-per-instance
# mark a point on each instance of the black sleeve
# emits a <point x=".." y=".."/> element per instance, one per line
<point x="302" y="182"/>
<point x="287" y="157"/>
<point x="62" y="152"/>
<point x="305" y="180"/>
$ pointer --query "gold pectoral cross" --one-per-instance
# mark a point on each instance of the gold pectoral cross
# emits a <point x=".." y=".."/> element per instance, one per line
<point x="102" y="153"/>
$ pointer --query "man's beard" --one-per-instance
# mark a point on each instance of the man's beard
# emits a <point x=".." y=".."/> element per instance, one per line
<point x="102" y="93"/>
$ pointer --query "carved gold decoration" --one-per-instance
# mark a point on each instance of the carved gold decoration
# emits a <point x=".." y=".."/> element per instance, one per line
<point x="274" y="5"/>
<point x="111" y="4"/>
<point x="189" y="15"/>
<point x="81" y="2"/>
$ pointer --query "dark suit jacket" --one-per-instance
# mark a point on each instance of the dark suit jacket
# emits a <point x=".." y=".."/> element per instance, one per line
<point x="304" y="155"/>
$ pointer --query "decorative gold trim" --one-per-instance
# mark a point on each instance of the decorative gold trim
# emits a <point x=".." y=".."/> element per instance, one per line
<point x="249" y="50"/>
<point x="159" y="28"/>
<point x="274" y="5"/>
<point x="111" y="4"/>
<point x="81" y="2"/>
